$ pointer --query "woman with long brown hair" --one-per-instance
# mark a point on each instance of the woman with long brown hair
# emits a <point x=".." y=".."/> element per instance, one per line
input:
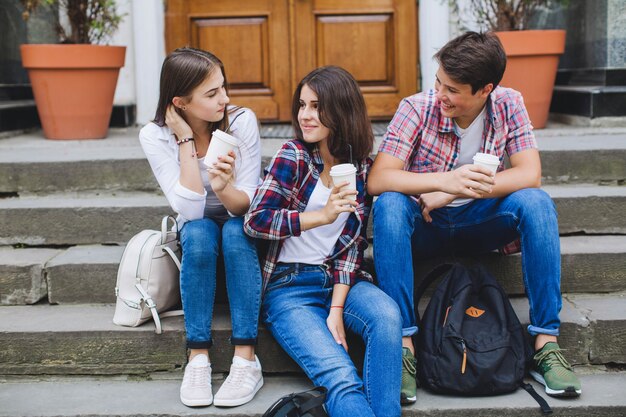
<point x="210" y="199"/>
<point x="314" y="285"/>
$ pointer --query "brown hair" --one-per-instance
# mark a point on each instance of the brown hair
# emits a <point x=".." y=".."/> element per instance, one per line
<point x="341" y="109"/>
<point x="183" y="70"/>
<point x="473" y="58"/>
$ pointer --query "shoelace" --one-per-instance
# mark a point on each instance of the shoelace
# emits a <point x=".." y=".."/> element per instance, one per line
<point x="409" y="364"/>
<point x="553" y="357"/>
<point x="199" y="377"/>
<point x="236" y="375"/>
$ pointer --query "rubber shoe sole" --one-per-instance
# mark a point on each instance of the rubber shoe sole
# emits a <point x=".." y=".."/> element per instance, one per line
<point x="238" y="401"/>
<point x="196" y="403"/>
<point x="567" y="392"/>
<point x="407" y="400"/>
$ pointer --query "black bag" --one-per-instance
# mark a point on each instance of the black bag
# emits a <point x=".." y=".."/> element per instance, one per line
<point x="301" y="404"/>
<point x="470" y="341"/>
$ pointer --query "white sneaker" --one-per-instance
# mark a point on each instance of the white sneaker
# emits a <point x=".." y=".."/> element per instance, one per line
<point x="195" y="391"/>
<point x="243" y="382"/>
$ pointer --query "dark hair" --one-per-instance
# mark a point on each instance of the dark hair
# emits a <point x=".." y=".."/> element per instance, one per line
<point x="473" y="58"/>
<point x="341" y="109"/>
<point x="183" y="70"/>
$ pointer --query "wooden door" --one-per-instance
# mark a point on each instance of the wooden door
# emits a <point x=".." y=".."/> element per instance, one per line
<point x="376" y="40"/>
<point x="267" y="46"/>
<point x="251" y="38"/>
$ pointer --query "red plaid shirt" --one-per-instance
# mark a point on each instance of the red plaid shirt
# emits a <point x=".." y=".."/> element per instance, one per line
<point x="426" y="141"/>
<point x="274" y="213"/>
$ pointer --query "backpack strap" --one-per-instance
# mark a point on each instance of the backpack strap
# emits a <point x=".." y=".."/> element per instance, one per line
<point x="164" y="229"/>
<point x="318" y="397"/>
<point x="172" y="255"/>
<point x="435" y="273"/>
<point x="545" y="408"/>
<point x="152" y="306"/>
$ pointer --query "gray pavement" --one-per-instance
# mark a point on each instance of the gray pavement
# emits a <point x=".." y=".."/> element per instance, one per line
<point x="603" y="395"/>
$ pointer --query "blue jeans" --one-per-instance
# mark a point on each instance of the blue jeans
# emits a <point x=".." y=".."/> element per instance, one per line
<point x="202" y="242"/>
<point x="295" y="308"/>
<point x="402" y="237"/>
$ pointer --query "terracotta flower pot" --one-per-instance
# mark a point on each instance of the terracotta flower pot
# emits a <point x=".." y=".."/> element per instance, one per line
<point x="73" y="87"/>
<point x="532" y="61"/>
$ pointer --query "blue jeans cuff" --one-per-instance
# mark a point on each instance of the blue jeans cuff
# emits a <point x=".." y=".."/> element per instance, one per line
<point x="409" y="331"/>
<point x="534" y="331"/>
<point x="199" y="345"/>
<point x="236" y="341"/>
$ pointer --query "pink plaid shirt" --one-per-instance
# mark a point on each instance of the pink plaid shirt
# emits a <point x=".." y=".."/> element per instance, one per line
<point x="426" y="141"/>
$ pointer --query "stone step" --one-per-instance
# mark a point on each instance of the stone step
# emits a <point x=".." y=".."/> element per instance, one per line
<point x="114" y="217"/>
<point x="158" y="396"/>
<point x="87" y="273"/>
<point x="583" y="159"/>
<point x="81" y="339"/>
<point x="30" y="164"/>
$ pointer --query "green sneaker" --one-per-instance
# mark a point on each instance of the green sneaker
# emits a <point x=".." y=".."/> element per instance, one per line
<point x="552" y="370"/>
<point x="408" y="392"/>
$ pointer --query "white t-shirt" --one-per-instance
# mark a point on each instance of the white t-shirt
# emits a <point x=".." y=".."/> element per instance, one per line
<point x="160" y="147"/>
<point x="471" y="138"/>
<point x="314" y="246"/>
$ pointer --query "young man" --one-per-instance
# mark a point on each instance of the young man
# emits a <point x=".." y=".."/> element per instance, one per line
<point x="434" y="201"/>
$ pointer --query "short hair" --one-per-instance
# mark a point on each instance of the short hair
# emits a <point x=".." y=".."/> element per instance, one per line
<point x="341" y="108"/>
<point x="473" y="58"/>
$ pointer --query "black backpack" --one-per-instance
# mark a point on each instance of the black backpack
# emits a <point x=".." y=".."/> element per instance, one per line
<point x="470" y="341"/>
<point x="301" y="404"/>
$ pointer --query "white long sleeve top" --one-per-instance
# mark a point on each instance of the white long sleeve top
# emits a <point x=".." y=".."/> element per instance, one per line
<point x="160" y="147"/>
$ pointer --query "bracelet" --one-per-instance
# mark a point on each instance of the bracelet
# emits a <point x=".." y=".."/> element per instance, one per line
<point x="183" y="140"/>
<point x="336" y="306"/>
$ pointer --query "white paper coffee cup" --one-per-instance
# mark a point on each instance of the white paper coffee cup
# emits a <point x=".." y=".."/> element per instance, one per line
<point x="221" y="143"/>
<point x="345" y="172"/>
<point x="491" y="162"/>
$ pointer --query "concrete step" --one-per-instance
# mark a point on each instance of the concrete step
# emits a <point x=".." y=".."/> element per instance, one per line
<point x="79" y="218"/>
<point x="75" y="396"/>
<point x="22" y="274"/>
<point x="81" y="339"/>
<point x="30" y="164"/>
<point x="583" y="159"/>
<point x="87" y="273"/>
<point x="114" y="217"/>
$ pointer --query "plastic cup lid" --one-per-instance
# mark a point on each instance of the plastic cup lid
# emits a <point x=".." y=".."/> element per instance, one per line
<point x="226" y="137"/>
<point x="486" y="158"/>
<point x="343" y="169"/>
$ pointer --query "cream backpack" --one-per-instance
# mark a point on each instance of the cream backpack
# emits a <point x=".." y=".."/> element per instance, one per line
<point x="148" y="278"/>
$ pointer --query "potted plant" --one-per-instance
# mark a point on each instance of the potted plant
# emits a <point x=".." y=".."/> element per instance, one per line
<point x="532" y="55"/>
<point x="74" y="81"/>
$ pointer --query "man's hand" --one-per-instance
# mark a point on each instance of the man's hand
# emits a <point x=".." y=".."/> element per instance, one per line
<point x="335" y="325"/>
<point x="433" y="201"/>
<point x="472" y="181"/>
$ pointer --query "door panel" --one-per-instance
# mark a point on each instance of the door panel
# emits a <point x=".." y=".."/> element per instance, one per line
<point x="246" y="60"/>
<point x="376" y="40"/>
<point x="251" y="41"/>
<point x="267" y="46"/>
<point x="365" y="34"/>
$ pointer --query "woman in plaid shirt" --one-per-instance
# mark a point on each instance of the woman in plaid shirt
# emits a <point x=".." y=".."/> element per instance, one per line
<point x="314" y="285"/>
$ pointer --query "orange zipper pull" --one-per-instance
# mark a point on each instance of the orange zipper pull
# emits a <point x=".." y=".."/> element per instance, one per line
<point x="445" y="319"/>
<point x="463" y="365"/>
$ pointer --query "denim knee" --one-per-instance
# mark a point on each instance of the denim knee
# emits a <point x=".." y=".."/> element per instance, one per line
<point x="388" y="318"/>
<point x="233" y="237"/>
<point x="392" y="211"/>
<point x="532" y="201"/>
<point x="199" y="239"/>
